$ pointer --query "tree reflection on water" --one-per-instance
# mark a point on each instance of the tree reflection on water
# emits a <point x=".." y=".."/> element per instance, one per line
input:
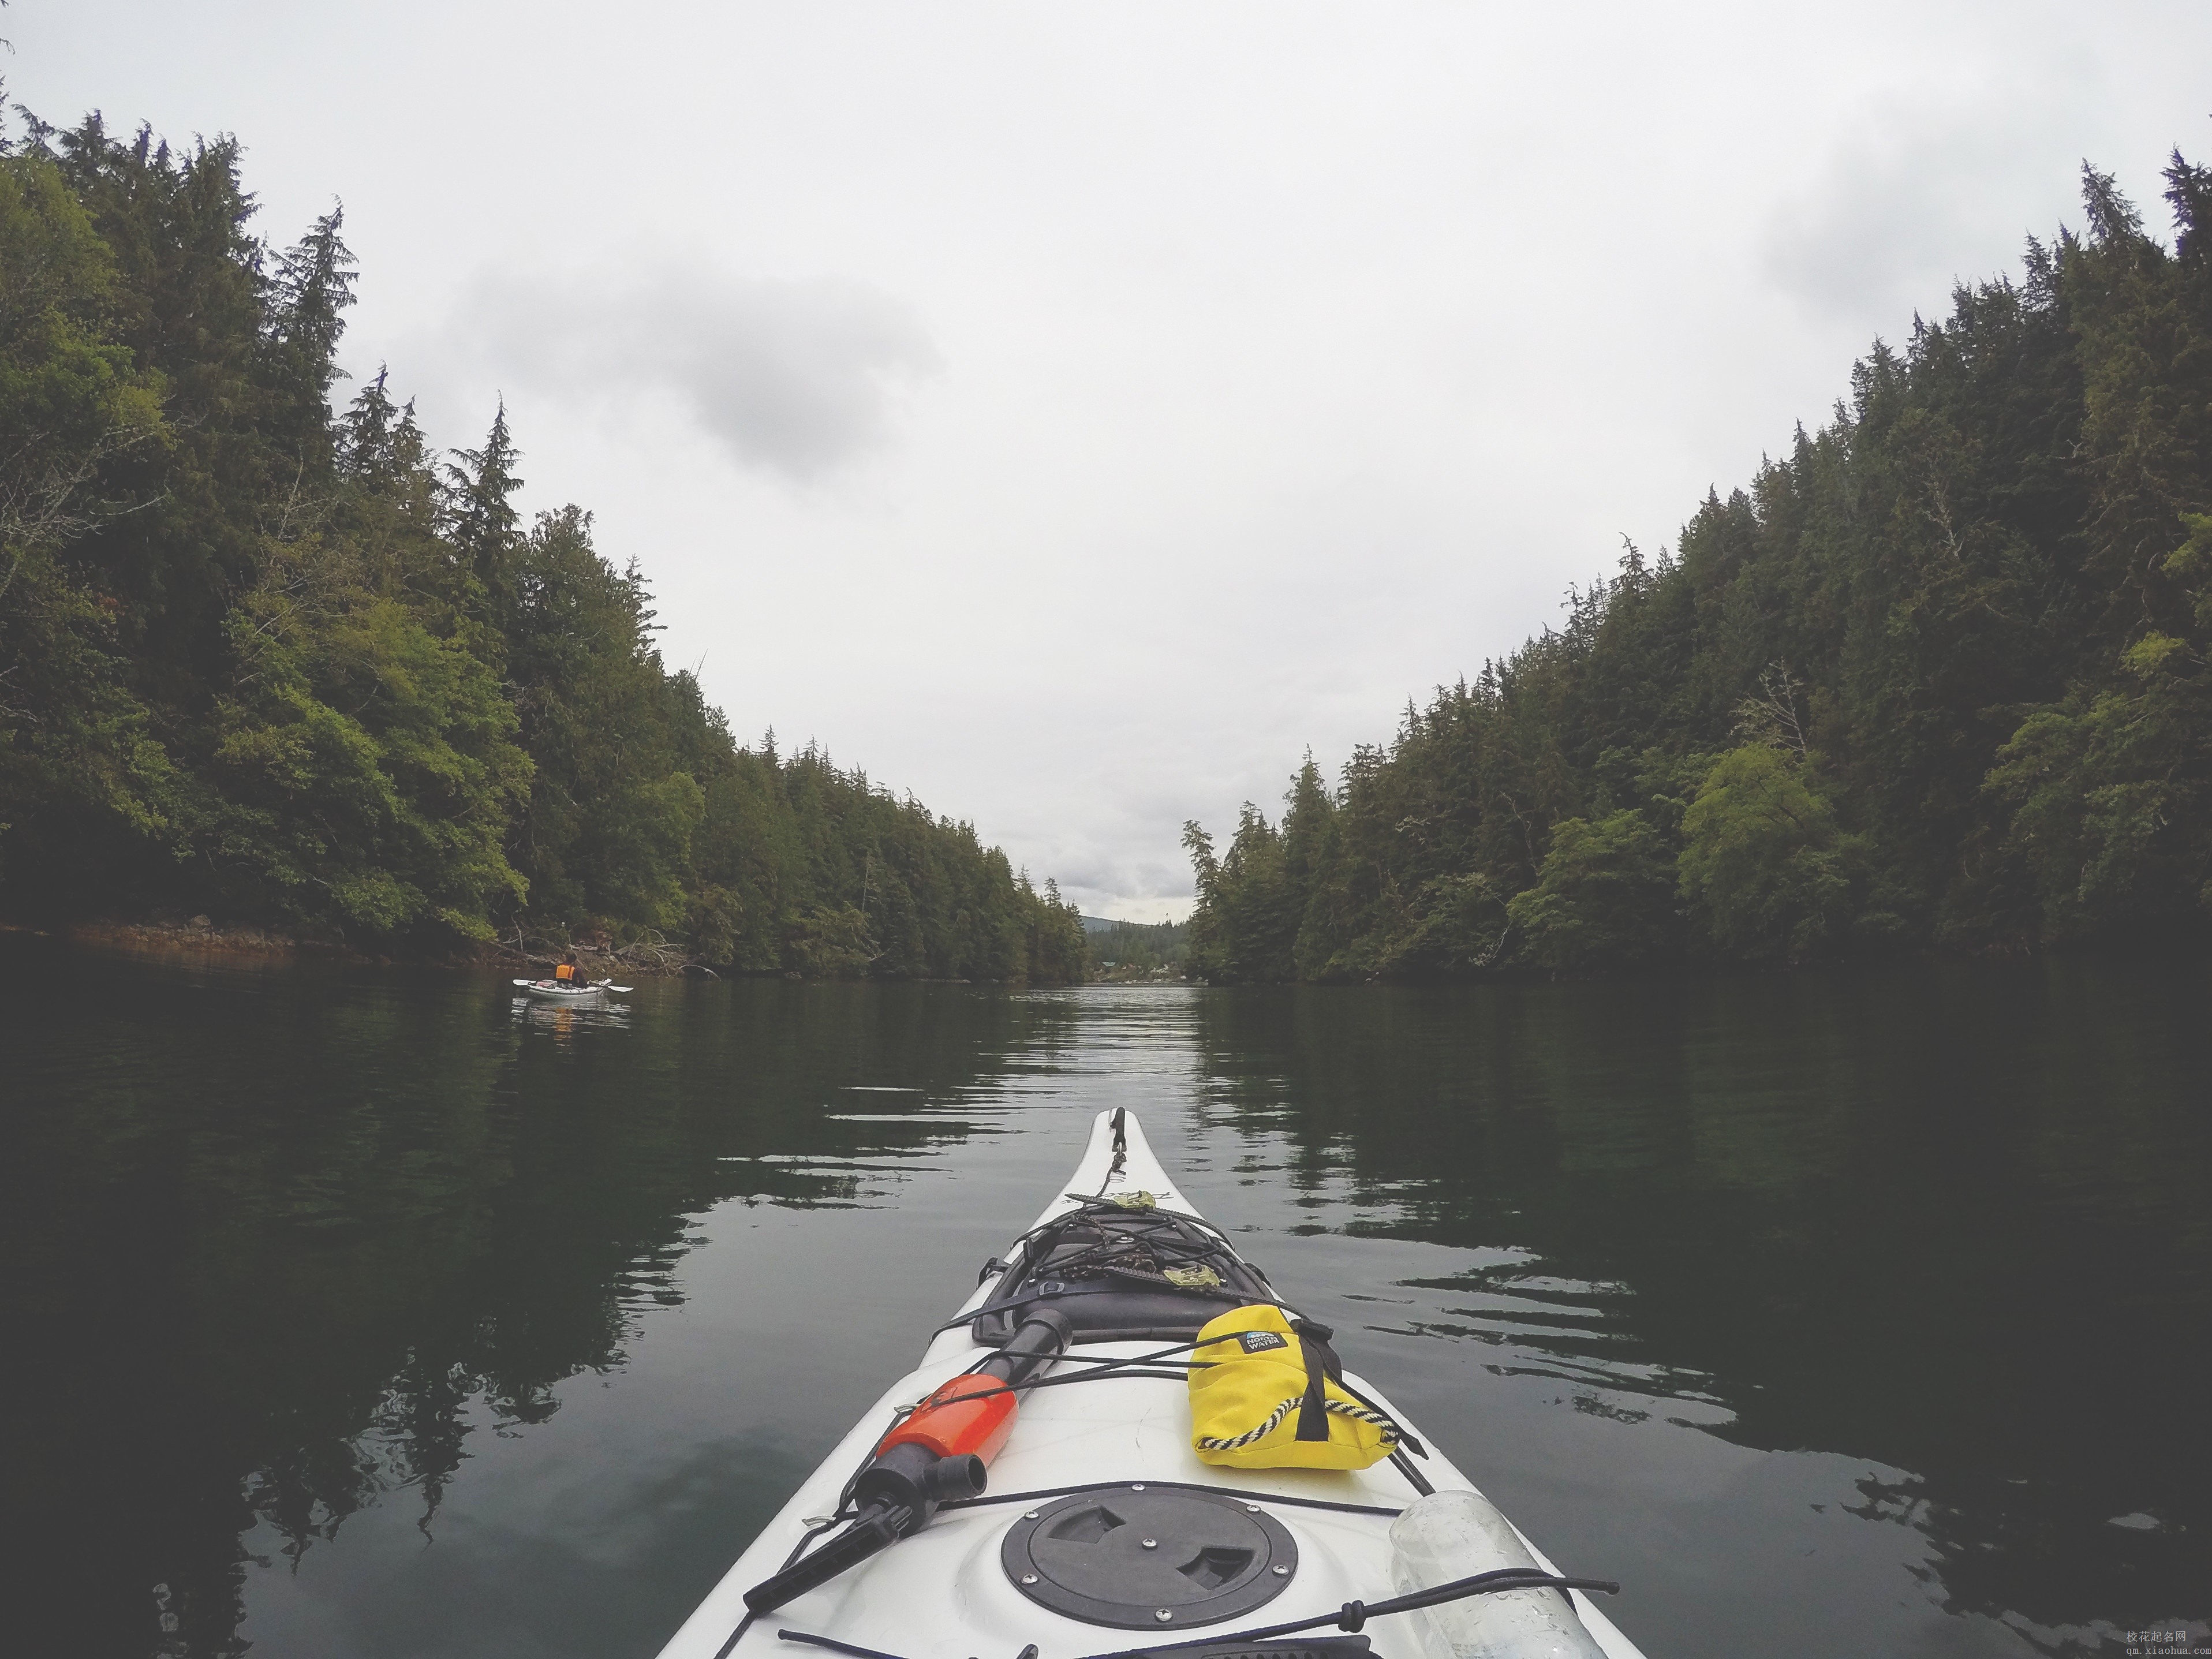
<point x="289" y="1240"/>
<point x="1946" y="1220"/>
<point x="1928" y="1247"/>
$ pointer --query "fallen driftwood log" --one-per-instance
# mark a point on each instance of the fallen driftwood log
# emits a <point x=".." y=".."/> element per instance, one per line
<point x="651" y="952"/>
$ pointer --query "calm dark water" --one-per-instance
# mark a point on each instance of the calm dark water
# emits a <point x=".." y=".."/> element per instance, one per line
<point x="349" y="1313"/>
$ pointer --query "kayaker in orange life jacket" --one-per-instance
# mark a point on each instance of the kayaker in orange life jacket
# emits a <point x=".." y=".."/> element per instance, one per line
<point x="568" y="973"/>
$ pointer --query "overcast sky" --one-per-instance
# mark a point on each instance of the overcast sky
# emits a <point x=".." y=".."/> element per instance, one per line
<point x="1072" y="413"/>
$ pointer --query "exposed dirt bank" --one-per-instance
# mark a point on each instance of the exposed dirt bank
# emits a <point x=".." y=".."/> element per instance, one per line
<point x="200" y="935"/>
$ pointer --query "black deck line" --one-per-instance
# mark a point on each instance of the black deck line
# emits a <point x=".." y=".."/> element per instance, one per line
<point x="1242" y="1494"/>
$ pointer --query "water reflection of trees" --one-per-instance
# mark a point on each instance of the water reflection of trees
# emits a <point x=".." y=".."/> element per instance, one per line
<point x="291" y="1241"/>
<point x="1947" y="1220"/>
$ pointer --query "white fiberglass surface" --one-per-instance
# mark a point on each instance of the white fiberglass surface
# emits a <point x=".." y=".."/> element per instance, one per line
<point x="944" y="1590"/>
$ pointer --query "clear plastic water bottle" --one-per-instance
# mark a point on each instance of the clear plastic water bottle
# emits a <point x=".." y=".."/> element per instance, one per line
<point x="1456" y="1535"/>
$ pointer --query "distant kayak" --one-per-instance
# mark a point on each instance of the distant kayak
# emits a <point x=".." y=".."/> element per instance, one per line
<point x="1214" y="1481"/>
<point x="553" y="990"/>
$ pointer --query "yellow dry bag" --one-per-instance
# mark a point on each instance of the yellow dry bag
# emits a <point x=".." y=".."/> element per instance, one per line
<point x="1262" y="1397"/>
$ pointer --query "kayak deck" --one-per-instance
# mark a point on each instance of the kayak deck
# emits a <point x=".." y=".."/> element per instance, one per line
<point x="943" y="1593"/>
<point x="559" y="993"/>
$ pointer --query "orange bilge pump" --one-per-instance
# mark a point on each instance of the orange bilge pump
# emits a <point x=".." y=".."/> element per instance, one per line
<point x="935" y="1455"/>
<point x="970" y="1416"/>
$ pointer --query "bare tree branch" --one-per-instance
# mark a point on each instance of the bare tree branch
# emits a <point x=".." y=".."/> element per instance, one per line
<point x="1771" y="716"/>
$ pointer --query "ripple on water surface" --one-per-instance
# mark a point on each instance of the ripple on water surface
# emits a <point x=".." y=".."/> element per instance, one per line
<point x="380" y="1314"/>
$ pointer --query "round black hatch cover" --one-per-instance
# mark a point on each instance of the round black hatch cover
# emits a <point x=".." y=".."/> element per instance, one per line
<point x="1159" y="1558"/>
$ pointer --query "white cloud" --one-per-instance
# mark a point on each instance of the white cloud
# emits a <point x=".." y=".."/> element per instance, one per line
<point x="1301" y="353"/>
<point x="1921" y="190"/>
<point x="797" y="378"/>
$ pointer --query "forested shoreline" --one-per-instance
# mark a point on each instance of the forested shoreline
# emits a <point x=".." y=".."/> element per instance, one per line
<point x="287" y="663"/>
<point x="1137" y="950"/>
<point x="1937" y="679"/>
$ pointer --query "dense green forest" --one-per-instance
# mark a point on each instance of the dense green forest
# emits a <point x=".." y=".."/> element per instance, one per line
<point x="1938" y="678"/>
<point x="283" y="661"/>
<point x="1131" y="950"/>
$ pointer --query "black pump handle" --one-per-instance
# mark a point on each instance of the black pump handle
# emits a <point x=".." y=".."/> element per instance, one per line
<point x="875" y="1528"/>
<point x="907" y="1483"/>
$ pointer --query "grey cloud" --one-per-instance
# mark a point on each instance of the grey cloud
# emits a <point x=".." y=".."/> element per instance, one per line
<point x="800" y="378"/>
<point x="1912" y="200"/>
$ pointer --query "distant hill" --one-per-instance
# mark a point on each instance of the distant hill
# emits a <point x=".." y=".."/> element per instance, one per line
<point x="1131" y="950"/>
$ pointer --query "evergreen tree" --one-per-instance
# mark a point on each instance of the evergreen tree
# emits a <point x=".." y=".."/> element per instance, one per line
<point x="484" y="524"/>
<point x="308" y="296"/>
<point x="295" y="666"/>
<point x="1931" y="680"/>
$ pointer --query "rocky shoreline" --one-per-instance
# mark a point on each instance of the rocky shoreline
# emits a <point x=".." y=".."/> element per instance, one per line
<point x="529" y="955"/>
<point x="200" y="935"/>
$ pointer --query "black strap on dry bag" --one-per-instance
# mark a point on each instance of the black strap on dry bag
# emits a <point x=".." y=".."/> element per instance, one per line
<point x="1321" y="1363"/>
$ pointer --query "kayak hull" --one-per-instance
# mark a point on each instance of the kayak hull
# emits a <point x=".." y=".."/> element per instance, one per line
<point x="554" y="991"/>
<point x="942" y="1593"/>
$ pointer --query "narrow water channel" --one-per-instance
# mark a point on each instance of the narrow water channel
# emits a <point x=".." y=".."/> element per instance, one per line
<point x="357" y="1313"/>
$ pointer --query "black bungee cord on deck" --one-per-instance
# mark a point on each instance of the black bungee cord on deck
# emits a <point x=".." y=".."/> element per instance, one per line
<point x="845" y="1509"/>
<point x="1169" y="1236"/>
<point x="1242" y="1494"/>
<point x="1170" y="1240"/>
<point x="1159" y="1365"/>
<point x="1352" y="1616"/>
<point x="815" y="1529"/>
<point x="1148" y="1364"/>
